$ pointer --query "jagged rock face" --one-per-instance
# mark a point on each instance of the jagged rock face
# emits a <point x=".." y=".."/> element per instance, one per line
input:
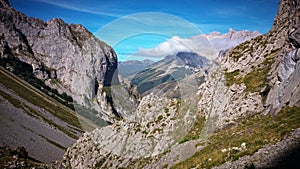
<point x="156" y="125"/>
<point x="260" y="75"/>
<point x="76" y="59"/>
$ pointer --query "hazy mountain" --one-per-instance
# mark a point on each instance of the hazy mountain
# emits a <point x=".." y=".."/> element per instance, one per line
<point x="131" y="67"/>
<point x="172" y="68"/>
<point x="207" y="45"/>
<point x="230" y="39"/>
<point x="162" y="76"/>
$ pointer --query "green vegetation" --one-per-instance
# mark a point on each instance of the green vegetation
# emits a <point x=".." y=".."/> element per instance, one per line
<point x="100" y="163"/>
<point x="159" y="118"/>
<point x="37" y="99"/>
<point x="41" y="100"/>
<point x="90" y="114"/>
<point x="249" y="166"/>
<point x="24" y="71"/>
<point x="255" y="131"/>
<point x="195" y="131"/>
<point x="238" y="51"/>
<point x="33" y="113"/>
<point x="257" y="79"/>
<point x="231" y="77"/>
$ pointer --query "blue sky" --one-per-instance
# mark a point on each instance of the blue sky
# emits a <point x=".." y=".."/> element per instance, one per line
<point x="206" y="16"/>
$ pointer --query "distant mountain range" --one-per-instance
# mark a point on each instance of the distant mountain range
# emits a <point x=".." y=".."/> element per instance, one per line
<point x="230" y="39"/>
<point x="131" y="67"/>
<point x="172" y="68"/>
<point x="218" y="41"/>
<point x="163" y="74"/>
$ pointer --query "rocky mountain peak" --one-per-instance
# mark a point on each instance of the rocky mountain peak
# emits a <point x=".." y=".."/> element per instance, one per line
<point x="257" y="73"/>
<point x="79" y="63"/>
<point x="4" y="3"/>
<point x="232" y="35"/>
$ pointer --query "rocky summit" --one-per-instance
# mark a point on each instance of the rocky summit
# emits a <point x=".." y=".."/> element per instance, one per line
<point x="68" y="57"/>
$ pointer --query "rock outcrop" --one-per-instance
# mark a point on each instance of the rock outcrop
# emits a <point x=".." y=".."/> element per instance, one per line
<point x="68" y="57"/>
<point x="260" y="75"/>
<point x="157" y="124"/>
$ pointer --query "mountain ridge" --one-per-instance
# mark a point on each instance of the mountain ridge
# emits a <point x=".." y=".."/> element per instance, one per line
<point x="67" y="58"/>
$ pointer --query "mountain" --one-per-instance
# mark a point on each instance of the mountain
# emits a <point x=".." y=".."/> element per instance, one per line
<point x="166" y="72"/>
<point x="53" y="77"/>
<point x="244" y="115"/>
<point x="230" y="39"/>
<point x="67" y="58"/>
<point x="131" y="67"/>
<point x="160" y="78"/>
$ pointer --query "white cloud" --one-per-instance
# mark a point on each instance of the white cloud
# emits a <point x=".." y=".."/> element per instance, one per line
<point x="207" y="45"/>
<point x="197" y="44"/>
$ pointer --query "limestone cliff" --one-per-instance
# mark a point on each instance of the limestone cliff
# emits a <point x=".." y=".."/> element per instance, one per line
<point x="67" y="57"/>
<point x="260" y="75"/>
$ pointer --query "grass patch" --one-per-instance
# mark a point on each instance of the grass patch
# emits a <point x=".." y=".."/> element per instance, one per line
<point x="25" y="71"/>
<point x="231" y="77"/>
<point x="38" y="99"/>
<point x="33" y="113"/>
<point x="43" y="101"/>
<point x="195" y="131"/>
<point x="100" y="163"/>
<point x="238" y="51"/>
<point x="257" y="79"/>
<point x="255" y="131"/>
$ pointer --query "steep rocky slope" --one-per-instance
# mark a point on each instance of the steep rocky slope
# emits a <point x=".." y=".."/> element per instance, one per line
<point x="32" y="119"/>
<point x="258" y="76"/>
<point x="249" y="101"/>
<point x="67" y="57"/>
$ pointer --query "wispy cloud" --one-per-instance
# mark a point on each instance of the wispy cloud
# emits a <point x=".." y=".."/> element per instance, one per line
<point x="73" y="7"/>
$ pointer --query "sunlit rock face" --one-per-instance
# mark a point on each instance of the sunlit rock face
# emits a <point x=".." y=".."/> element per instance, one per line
<point x="68" y="57"/>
